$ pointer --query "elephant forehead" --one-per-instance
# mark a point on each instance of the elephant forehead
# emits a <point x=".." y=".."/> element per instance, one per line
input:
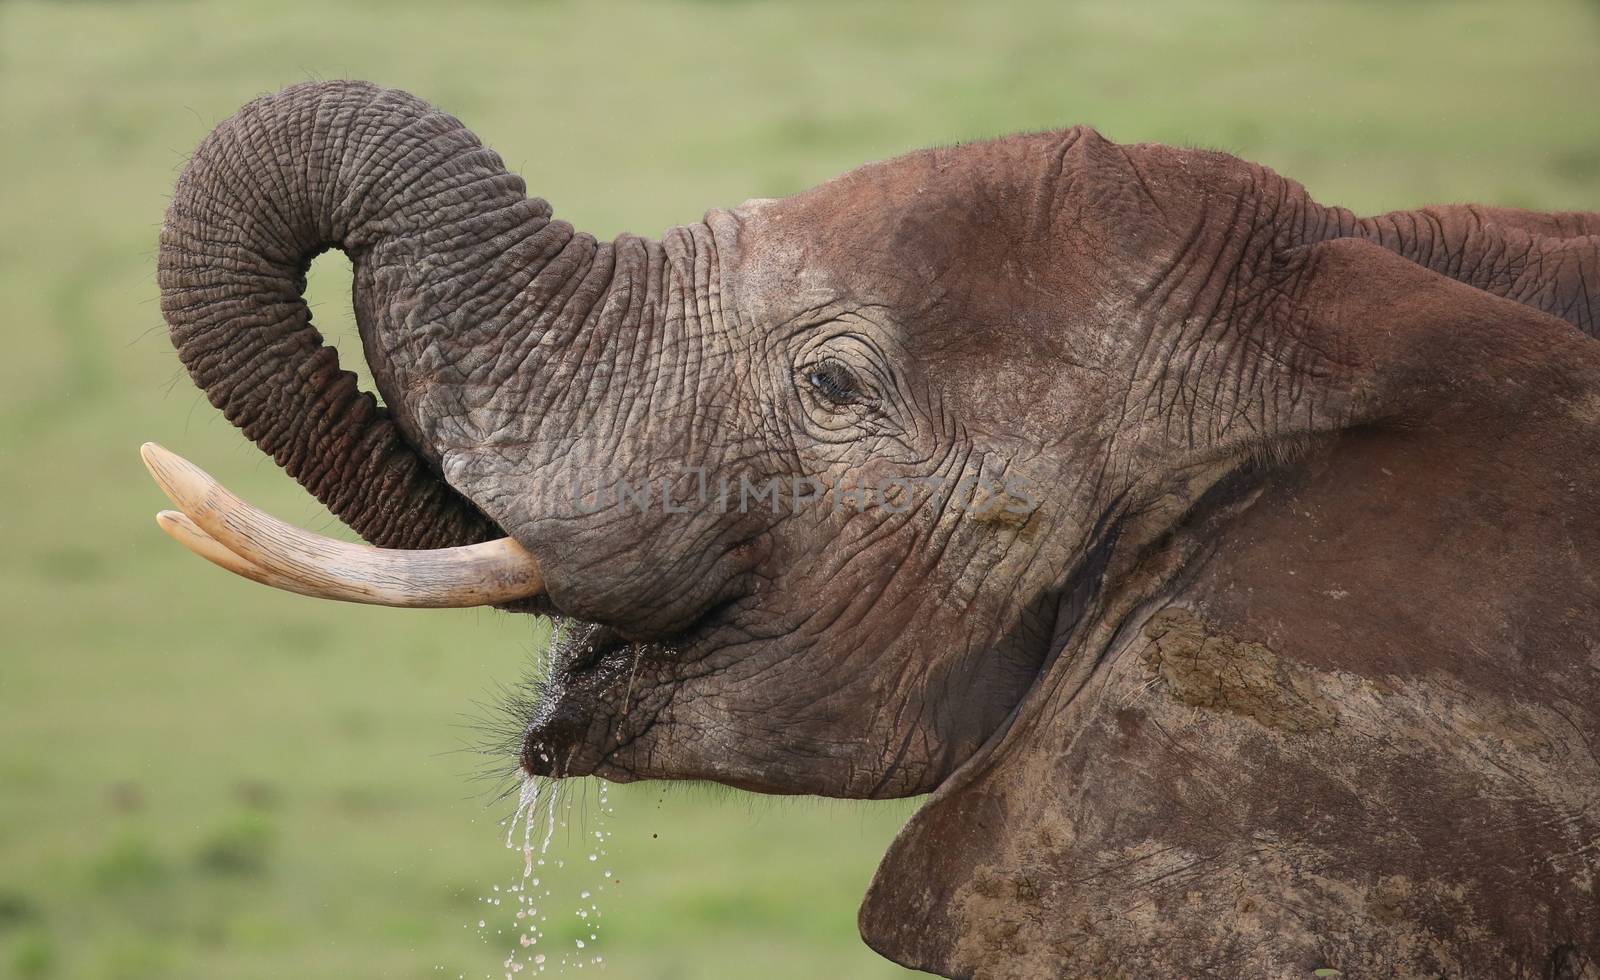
<point x="955" y="224"/>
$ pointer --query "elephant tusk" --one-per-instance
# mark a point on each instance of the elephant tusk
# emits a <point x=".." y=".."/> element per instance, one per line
<point x="188" y="533"/>
<point x="226" y="531"/>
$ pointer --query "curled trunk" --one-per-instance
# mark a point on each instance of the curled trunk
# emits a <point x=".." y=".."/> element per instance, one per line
<point x="420" y="207"/>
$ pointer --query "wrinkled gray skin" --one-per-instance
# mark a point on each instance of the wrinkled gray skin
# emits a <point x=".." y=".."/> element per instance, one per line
<point x="1105" y="332"/>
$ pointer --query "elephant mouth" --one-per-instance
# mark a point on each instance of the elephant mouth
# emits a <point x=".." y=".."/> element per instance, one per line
<point x="602" y="693"/>
<point x="595" y="698"/>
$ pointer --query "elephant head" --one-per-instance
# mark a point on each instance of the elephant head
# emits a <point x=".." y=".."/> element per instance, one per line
<point x="831" y="494"/>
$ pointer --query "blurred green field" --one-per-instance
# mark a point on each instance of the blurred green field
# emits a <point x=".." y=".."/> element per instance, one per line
<point x="202" y="778"/>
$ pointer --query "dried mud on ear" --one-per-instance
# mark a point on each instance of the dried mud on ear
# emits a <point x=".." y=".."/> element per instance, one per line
<point x="1232" y="810"/>
<point x="1195" y="928"/>
<point x="1213" y="670"/>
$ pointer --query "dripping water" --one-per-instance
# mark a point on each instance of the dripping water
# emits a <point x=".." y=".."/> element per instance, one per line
<point x="527" y="919"/>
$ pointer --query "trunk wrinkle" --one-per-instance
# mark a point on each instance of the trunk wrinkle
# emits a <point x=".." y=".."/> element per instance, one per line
<point x="420" y="206"/>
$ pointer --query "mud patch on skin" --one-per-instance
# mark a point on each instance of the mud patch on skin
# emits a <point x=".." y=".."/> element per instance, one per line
<point x="1212" y="670"/>
<point x="1586" y="410"/>
<point x="1145" y="877"/>
<point x="999" y="507"/>
<point x="1178" y="912"/>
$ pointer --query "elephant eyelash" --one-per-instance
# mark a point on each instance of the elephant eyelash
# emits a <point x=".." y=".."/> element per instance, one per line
<point x="835" y="383"/>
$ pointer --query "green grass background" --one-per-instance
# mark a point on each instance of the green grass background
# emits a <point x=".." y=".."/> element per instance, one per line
<point x="203" y="778"/>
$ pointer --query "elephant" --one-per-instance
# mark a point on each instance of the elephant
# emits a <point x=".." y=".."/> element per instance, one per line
<point x="1220" y="562"/>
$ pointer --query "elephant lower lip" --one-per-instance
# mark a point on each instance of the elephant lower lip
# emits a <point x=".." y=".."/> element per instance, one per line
<point x="602" y="693"/>
<point x="572" y="718"/>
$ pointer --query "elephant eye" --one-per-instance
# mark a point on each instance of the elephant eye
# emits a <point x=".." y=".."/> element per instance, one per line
<point x="834" y="382"/>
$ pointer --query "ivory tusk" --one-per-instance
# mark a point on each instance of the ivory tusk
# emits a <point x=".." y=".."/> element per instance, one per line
<point x="226" y="531"/>
<point x="188" y="533"/>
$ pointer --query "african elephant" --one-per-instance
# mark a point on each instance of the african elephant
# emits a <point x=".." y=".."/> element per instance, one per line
<point x="1220" y="561"/>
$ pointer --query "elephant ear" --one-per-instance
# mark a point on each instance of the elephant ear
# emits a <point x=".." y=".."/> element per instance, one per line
<point x="1114" y="826"/>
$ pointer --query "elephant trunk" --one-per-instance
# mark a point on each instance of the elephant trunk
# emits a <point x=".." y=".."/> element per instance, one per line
<point x="420" y="207"/>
